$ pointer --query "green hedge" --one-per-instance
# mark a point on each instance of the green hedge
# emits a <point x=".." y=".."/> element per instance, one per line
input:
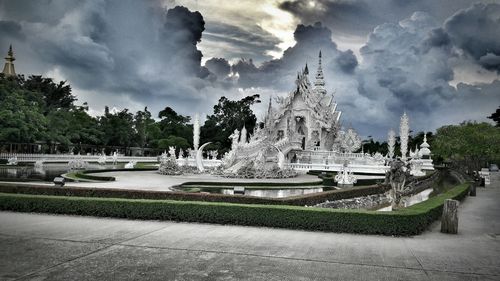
<point x="300" y="200"/>
<point x="408" y="221"/>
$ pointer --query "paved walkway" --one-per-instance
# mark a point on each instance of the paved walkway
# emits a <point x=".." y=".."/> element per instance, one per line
<point x="50" y="247"/>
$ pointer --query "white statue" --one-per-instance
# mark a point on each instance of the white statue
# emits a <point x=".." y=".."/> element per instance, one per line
<point x="115" y="158"/>
<point x="345" y="176"/>
<point x="102" y="159"/>
<point x="130" y="165"/>
<point x="12" y="161"/>
<point x="416" y="168"/>
<point x="38" y="164"/>
<point x="171" y="151"/>
<point x="234" y="136"/>
<point x="404" y="131"/>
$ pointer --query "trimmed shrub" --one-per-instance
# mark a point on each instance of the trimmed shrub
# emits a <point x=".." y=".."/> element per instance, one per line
<point x="408" y="221"/>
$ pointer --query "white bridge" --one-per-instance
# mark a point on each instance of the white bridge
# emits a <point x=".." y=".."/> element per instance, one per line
<point x="364" y="169"/>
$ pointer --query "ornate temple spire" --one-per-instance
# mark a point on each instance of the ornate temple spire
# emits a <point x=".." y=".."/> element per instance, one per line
<point x="8" y="69"/>
<point x="306" y="70"/>
<point x="404" y="132"/>
<point x="319" y="84"/>
<point x="267" y="121"/>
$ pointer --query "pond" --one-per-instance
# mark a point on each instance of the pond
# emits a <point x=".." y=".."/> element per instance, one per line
<point x="270" y="192"/>
<point x="45" y="173"/>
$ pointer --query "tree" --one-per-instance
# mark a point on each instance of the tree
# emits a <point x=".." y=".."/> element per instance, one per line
<point x="495" y="116"/>
<point x="178" y="142"/>
<point x="173" y="124"/>
<point x="228" y="116"/>
<point x="117" y="128"/>
<point x="21" y="113"/>
<point x="145" y="128"/>
<point x="55" y="96"/>
<point x="469" y="145"/>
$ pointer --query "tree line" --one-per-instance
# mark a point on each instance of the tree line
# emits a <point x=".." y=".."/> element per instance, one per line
<point x="38" y="110"/>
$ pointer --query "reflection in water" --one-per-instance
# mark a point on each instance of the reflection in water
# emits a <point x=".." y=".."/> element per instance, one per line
<point x="45" y="172"/>
<point x="275" y="193"/>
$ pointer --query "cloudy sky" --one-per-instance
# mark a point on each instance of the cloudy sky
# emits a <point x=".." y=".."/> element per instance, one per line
<point x="437" y="60"/>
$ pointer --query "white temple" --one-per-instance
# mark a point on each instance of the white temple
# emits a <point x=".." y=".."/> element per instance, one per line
<point x="302" y="131"/>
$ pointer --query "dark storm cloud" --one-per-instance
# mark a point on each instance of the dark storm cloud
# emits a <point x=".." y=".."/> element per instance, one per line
<point x="11" y="29"/>
<point x="359" y="17"/>
<point x="41" y="11"/>
<point x="340" y="15"/>
<point x="180" y="34"/>
<point x="280" y="73"/>
<point x="218" y="66"/>
<point x="409" y="66"/>
<point x="475" y="30"/>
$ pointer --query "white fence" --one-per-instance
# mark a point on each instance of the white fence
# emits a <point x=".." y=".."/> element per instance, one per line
<point x="65" y="158"/>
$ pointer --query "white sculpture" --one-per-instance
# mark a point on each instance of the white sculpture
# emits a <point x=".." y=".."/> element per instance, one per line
<point x="416" y="168"/>
<point x="404" y="131"/>
<point x="38" y="164"/>
<point x="391" y="142"/>
<point x="12" y="161"/>
<point x="171" y="151"/>
<point x="77" y="163"/>
<point x="345" y="176"/>
<point x="130" y="165"/>
<point x="425" y="155"/>
<point x="424" y="148"/>
<point x="234" y="137"/>
<point x="349" y="140"/>
<point x="243" y="137"/>
<point x="102" y="159"/>
<point x="115" y="158"/>
<point x="196" y="132"/>
<point x="199" y="157"/>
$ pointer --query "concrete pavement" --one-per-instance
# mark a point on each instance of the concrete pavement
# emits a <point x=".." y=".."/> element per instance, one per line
<point x="50" y="247"/>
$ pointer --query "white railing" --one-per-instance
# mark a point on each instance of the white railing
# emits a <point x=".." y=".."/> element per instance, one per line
<point x="369" y="169"/>
<point x="64" y="158"/>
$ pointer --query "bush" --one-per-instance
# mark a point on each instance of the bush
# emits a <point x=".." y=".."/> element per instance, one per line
<point x="408" y="221"/>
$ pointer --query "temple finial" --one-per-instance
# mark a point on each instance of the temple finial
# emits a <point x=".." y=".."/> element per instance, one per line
<point x="8" y="69"/>
<point x="319" y="84"/>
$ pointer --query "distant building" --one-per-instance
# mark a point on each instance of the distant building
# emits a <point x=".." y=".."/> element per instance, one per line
<point x="8" y="69"/>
